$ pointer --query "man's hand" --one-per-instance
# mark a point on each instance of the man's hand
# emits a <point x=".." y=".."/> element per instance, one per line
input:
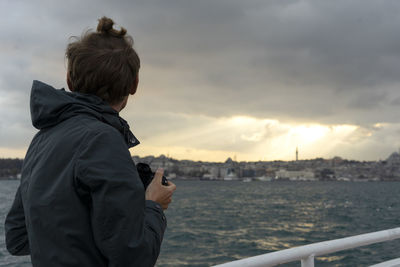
<point x="162" y="194"/>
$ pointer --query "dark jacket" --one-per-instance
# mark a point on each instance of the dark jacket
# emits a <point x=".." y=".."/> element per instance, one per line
<point x="81" y="201"/>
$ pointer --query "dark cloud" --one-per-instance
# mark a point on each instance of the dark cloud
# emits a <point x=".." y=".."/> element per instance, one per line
<point x="331" y="62"/>
<point x="310" y="60"/>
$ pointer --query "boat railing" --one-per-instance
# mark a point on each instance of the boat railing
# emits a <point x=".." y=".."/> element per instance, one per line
<point x="307" y="253"/>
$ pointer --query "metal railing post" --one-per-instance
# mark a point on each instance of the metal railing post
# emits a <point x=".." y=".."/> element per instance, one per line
<point x="308" y="262"/>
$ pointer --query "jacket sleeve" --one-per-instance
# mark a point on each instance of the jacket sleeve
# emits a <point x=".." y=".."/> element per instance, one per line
<point x="17" y="241"/>
<point x="127" y="229"/>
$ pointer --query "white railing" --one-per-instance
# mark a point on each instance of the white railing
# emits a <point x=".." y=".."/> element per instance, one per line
<point x="307" y="253"/>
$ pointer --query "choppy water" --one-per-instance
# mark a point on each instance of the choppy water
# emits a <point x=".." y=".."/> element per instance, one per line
<point x="215" y="222"/>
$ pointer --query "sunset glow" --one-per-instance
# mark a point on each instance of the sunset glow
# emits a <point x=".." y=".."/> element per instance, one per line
<point x="249" y="139"/>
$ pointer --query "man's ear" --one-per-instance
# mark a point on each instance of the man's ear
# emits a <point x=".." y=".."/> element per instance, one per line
<point x="69" y="83"/>
<point x="135" y="85"/>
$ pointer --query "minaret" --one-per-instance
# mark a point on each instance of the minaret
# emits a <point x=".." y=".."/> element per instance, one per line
<point x="297" y="153"/>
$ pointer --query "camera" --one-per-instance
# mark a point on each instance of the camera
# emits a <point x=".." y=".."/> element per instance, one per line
<point x="147" y="175"/>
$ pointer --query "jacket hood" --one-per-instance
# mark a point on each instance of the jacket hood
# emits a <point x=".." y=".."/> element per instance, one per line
<point x="50" y="106"/>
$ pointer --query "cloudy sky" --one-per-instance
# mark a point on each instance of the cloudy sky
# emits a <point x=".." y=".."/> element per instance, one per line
<point x="251" y="79"/>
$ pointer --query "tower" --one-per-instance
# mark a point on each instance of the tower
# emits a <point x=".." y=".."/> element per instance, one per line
<point x="297" y="153"/>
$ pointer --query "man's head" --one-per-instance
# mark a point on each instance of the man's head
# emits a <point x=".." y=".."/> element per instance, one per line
<point x="103" y="63"/>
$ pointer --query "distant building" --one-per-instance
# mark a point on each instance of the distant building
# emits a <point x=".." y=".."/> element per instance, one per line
<point x="393" y="160"/>
<point x="303" y="175"/>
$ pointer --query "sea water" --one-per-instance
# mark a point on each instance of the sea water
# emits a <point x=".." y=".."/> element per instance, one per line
<point x="212" y="222"/>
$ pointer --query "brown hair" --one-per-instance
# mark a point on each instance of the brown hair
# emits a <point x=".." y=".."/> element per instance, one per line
<point x="103" y="63"/>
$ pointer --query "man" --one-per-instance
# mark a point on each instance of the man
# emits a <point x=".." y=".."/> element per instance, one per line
<point x="81" y="201"/>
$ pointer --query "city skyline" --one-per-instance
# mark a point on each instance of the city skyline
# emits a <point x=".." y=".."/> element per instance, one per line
<point x="234" y="158"/>
<point x="218" y="79"/>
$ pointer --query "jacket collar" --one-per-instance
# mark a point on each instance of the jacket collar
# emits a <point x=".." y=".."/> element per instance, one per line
<point x="50" y="106"/>
<point x="122" y="126"/>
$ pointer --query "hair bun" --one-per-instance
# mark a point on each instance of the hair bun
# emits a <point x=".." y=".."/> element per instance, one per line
<point x="105" y="26"/>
